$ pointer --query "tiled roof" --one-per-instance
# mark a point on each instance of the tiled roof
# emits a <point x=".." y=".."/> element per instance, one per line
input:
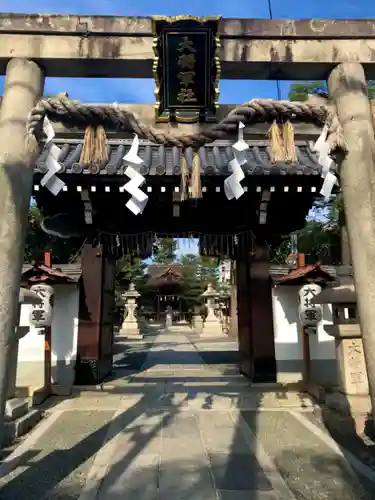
<point x="70" y="271"/>
<point x="161" y="160"/>
<point x="159" y="270"/>
<point x="340" y="272"/>
<point x="305" y="272"/>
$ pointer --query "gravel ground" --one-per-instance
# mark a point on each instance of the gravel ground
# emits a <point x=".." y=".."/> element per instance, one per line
<point x="341" y="427"/>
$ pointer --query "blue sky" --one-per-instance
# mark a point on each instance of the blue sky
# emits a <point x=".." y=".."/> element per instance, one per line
<point x="141" y="91"/>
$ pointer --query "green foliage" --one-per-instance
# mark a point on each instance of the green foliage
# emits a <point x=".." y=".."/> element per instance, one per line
<point x="198" y="272"/>
<point x="209" y="270"/>
<point x="319" y="239"/>
<point x="192" y="286"/>
<point x="299" y="91"/>
<point x="130" y="269"/>
<point x="38" y="242"/>
<point x="165" y="251"/>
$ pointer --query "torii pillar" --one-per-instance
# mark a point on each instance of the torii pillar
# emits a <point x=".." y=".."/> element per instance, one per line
<point x="24" y="83"/>
<point x="348" y="88"/>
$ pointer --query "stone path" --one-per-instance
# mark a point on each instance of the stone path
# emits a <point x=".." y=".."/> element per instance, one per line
<point x="180" y="429"/>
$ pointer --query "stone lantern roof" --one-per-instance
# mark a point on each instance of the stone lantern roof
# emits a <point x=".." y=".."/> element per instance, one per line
<point x="131" y="293"/>
<point x="210" y="292"/>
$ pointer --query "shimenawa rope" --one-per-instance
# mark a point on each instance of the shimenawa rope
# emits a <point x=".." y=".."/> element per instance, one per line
<point x="74" y="113"/>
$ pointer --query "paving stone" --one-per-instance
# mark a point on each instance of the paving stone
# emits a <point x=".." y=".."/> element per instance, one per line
<point x="225" y="442"/>
<point x="148" y="417"/>
<point x="247" y="495"/>
<point x="185" y="480"/>
<point x="180" y="426"/>
<point x="56" y="466"/>
<point x="143" y="439"/>
<point x="215" y="421"/>
<point x="307" y="465"/>
<point x="181" y="435"/>
<point x="238" y="471"/>
<point x="183" y="448"/>
<point x="136" y="479"/>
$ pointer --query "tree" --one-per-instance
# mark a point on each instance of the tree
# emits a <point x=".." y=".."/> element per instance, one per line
<point x="323" y="237"/>
<point x="165" y="250"/>
<point x="209" y="270"/>
<point x="130" y="269"/>
<point x="38" y="242"/>
<point x="192" y="285"/>
<point x="198" y="272"/>
<point x="300" y="91"/>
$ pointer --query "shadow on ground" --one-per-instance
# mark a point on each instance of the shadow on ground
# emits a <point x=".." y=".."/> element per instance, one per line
<point x="308" y="468"/>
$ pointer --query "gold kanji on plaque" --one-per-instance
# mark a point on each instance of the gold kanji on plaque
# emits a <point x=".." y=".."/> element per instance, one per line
<point x="186" y="61"/>
<point x="187" y="77"/>
<point x="186" y="95"/>
<point x="186" y="44"/>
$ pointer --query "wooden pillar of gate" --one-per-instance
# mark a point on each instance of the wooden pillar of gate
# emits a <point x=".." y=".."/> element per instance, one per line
<point x="95" y="331"/>
<point x="233" y="331"/>
<point x="261" y="316"/>
<point x="245" y="344"/>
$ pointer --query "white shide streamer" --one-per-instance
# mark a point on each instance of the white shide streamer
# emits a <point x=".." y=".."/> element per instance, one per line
<point x="138" y="199"/>
<point x="326" y="162"/>
<point x="50" y="180"/>
<point x="232" y="184"/>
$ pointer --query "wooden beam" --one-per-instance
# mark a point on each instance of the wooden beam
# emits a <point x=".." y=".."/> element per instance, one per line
<point x="121" y="47"/>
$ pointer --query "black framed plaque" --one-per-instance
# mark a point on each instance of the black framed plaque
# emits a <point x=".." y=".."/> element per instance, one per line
<point x="186" y="68"/>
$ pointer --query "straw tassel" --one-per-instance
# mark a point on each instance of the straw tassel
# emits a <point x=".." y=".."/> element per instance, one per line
<point x="184" y="176"/>
<point x="195" y="180"/>
<point x="289" y="144"/>
<point x="88" y="150"/>
<point x="277" y="144"/>
<point x="100" y="156"/>
<point x="94" y="149"/>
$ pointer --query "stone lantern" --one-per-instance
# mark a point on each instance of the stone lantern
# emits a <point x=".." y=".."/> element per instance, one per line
<point x="25" y="297"/>
<point x="197" y="319"/>
<point x="212" y="326"/>
<point x="130" y="327"/>
<point x="348" y="339"/>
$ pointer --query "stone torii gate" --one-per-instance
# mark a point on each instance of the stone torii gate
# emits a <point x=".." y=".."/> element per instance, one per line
<point x="35" y="46"/>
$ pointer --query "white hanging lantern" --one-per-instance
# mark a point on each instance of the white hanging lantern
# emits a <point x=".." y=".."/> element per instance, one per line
<point x="310" y="314"/>
<point x="41" y="314"/>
